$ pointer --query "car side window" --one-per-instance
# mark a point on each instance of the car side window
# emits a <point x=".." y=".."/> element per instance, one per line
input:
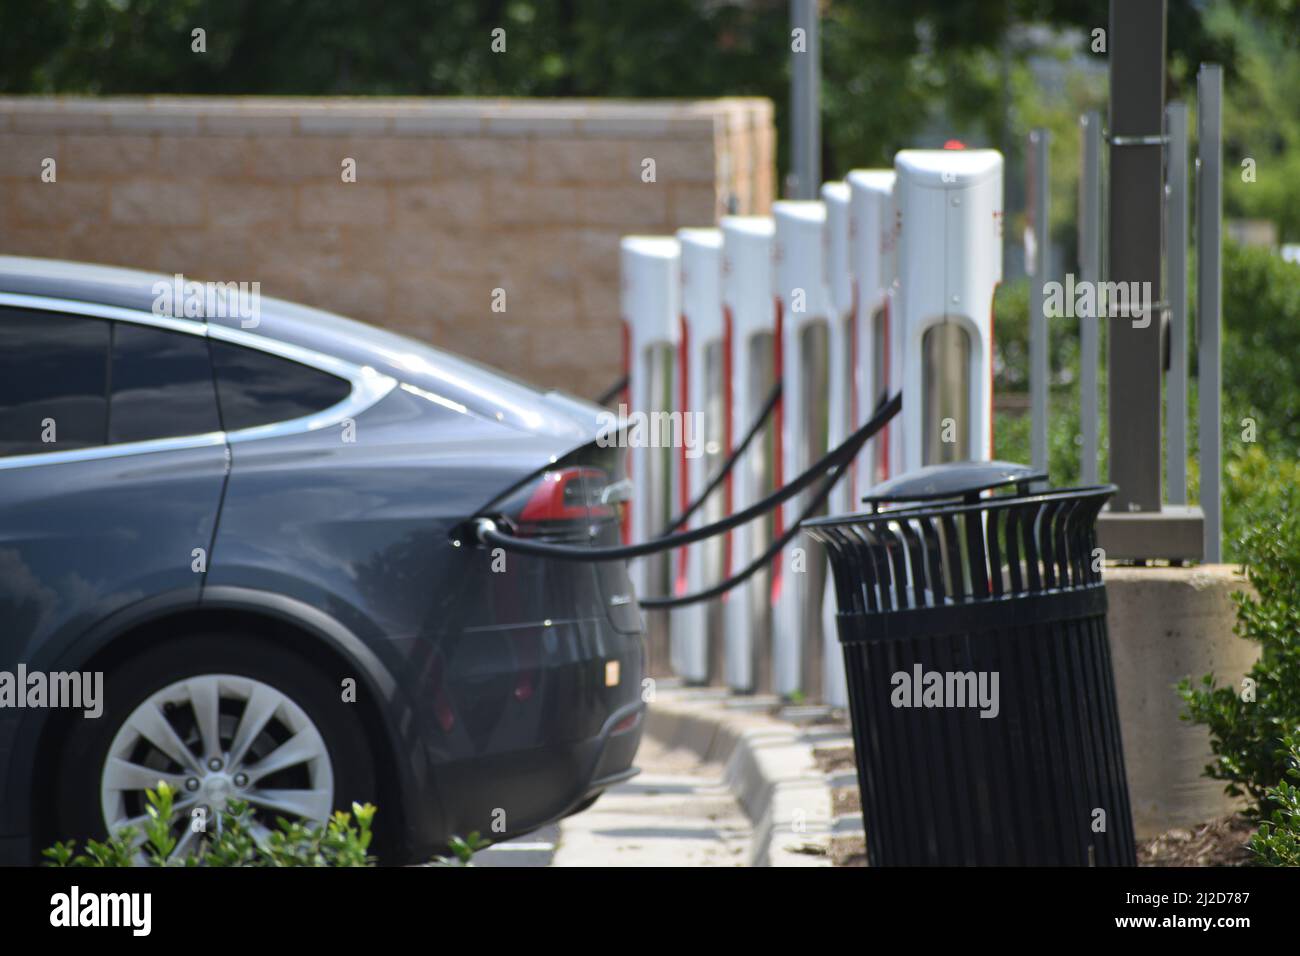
<point x="53" y="382"/>
<point x="256" y="388"/>
<point x="160" y="385"/>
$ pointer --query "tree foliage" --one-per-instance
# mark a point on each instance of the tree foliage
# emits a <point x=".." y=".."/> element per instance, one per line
<point x="889" y="68"/>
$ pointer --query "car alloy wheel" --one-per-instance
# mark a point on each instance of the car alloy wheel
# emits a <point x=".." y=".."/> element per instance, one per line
<point x="217" y="738"/>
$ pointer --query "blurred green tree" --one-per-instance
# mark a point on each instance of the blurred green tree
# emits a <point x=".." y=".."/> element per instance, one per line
<point x="889" y="68"/>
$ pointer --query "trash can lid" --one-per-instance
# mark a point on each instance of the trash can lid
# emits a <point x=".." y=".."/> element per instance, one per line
<point x="958" y="479"/>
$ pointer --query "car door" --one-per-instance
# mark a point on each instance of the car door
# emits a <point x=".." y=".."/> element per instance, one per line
<point x="112" y="466"/>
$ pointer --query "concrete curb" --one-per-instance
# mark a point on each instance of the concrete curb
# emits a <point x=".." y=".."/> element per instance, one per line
<point x="768" y="765"/>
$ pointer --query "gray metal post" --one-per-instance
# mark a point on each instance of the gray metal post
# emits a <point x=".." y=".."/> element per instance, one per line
<point x="1134" y="224"/>
<point x="1089" y="271"/>
<point x="805" y="103"/>
<point x="1209" y="297"/>
<point x="1040" y="199"/>
<point x="1176" y="279"/>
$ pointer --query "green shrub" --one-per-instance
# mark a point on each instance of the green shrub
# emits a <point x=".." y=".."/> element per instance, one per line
<point x="1011" y="430"/>
<point x="1011" y="341"/>
<point x="1261" y="347"/>
<point x="1246" y="734"/>
<point x="462" y="850"/>
<point x="1261" y="392"/>
<point x="1011" y="439"/>
<point x="1256" y="488"/>
<point x="1278" y="841"/>
<point x="341" y="842"/>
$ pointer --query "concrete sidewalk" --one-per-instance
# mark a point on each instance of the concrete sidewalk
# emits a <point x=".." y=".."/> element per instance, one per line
<point x="727" y="780"/>
<point x="677" y="812"/>
<point x="768" y="752"/>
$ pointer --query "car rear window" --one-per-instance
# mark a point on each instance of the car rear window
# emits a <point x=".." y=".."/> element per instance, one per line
<point x="256" y="388"/>
<point x="53" y="377"/>
<point x="160" y="385"/>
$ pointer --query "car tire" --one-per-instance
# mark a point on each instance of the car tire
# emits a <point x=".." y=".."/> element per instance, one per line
<point x="235" y="668"/>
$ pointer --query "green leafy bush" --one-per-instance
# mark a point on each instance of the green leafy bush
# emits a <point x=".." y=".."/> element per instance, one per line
<point x="341" y="842"/>
<point x="1246" y="734"/>
<point x="1011" y="341"/>
<point x="1256" y="488"/>
<point x="1261" y="390"/>
<point x="1261" y="348"/>
<point x="1278" y="841"/>
<point x="462" y="850"/>
<point x="1011" y="428"/>
<point x="1011" y="439"/>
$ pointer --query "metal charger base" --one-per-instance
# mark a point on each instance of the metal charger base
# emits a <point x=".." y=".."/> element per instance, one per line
<point x="1175" y="532"/>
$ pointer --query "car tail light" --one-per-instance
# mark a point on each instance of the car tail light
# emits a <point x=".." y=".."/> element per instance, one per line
<point x="569" y="494"/>
<point x="626" y="724"/>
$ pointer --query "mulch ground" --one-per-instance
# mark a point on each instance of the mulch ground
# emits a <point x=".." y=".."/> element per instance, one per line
<point x="1218" y="842"/>
<point x="832" y="759"/>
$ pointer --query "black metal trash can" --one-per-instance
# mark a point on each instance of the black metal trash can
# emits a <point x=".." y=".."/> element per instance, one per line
<point x="979" y="672"/>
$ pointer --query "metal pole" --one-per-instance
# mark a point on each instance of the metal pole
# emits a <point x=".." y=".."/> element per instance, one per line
<point x="1176" y="277"/>
<point x="1137" y="90"/>
<point x="1209" y="297"/>
<point x="805" y="101"/>
<point x="1041" y="196"/>
<point x="1090" y="271"/>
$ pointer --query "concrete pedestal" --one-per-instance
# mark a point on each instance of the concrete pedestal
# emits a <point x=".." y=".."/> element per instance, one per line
<point x="1166" y="624"/>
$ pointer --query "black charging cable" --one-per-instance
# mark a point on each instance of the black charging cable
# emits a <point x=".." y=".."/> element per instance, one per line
<point x="611" y="393"/>
<point x="488" y="533"/>
<point x="764" y="413"/>
<point x="722" y="587"/>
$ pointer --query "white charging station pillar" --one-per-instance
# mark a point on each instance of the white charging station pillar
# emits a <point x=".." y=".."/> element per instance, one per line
<point x="843" y="403"/>
<point x="803" y="333"/>
<point x="750" y="332"/>
<point x="873" y="231"/>
<point x="949" y="266"/>
<point x="650" y="307"/>
<point x="701" y="399"/>
<point x="838" y="280"/>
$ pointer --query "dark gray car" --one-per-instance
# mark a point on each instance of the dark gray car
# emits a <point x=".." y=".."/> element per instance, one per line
<point x="251" y="524"/>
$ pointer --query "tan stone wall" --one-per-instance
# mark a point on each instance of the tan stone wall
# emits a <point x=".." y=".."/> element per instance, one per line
<point x="453" y="199"/>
